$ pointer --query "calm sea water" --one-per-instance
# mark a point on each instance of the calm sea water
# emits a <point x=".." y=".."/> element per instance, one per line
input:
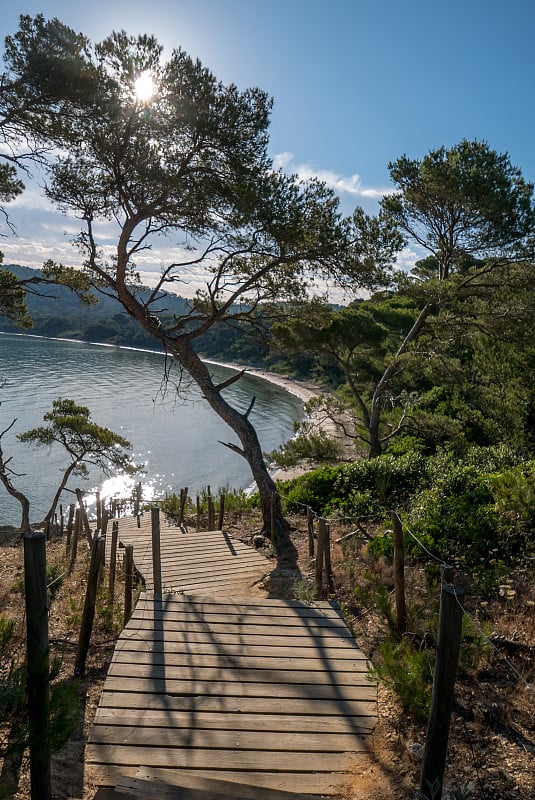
<point x="174" y="436"/>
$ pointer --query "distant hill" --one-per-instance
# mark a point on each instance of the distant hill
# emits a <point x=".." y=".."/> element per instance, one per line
<point x="58" y="300"/>
<point x="57" y="313"/>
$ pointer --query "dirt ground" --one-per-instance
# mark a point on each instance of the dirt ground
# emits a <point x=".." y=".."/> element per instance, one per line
<point x="492" y="736"/>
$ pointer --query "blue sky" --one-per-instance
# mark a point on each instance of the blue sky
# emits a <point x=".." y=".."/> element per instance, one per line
<point x="356" y="83"/>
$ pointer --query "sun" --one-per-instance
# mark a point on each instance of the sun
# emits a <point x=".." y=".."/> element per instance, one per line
<point x="144" y="87"/>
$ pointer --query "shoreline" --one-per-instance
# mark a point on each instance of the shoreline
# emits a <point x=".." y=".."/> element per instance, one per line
<point x="301" y="389"/>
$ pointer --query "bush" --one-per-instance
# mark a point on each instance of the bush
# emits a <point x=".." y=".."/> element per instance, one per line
<point x="315" y="489"/>
<point x="236" y="501"/>
<point x="390" y="480"/>
<point x="64" y="707"/>
<point x="408" y="673"/>
<point x="478" y="513"/>
<point x="363" y="488"/>
<point x="314" y="447"/>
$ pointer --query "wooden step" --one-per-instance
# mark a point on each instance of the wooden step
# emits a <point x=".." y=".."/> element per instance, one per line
<point x="187" y="786"/>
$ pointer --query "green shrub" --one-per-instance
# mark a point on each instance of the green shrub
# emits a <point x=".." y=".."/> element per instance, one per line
<point x="236" y="501"/>
<point x="408" y="673"/>
<point x="314" y="447"/>
<point x="363" y="488"/>
<point x="390" y="480"/>
<point x="64" y="706"/>
<point x="315" y="489"/>
<point x="478" y="512"/>
<point x="55" y="574"/>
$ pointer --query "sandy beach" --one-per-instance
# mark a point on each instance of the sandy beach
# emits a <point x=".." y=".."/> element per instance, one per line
<point x="301" y="389"/>
<point x="304" y="391"/>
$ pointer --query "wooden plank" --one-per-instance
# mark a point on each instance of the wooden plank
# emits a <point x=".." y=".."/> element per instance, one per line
<point x="221" y="659"/>
<point x="310" y="783"/>
<point x="342" y="694"/>
<point x="266" y="608"/>
<point x="234" y="646"/>
<point x="235" y="759"/>
<point x="199" y="676"/>
<point x="214" y="618"/>
<point x="258" y="602"/>
<point x="210" y="720"/>
<point x="244" y="741"/>
<point x="107" y="793"/>
<point x="321" y="707"/>
<point x="223" y="632"/>
<point x="321" y="642"/>
<point x="199" y="788"/>
<point x="109" y="775"/>
<point x="171" y="605"/>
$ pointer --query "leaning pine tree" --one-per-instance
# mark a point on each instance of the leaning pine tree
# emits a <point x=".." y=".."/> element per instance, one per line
<point x="191" y="163"/>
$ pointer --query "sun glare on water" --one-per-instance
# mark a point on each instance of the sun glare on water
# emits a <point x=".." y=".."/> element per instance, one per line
<point x="144" y="87"/>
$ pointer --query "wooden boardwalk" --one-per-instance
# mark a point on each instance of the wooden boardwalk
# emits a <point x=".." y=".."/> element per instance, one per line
<point x="192" y="561"/>
<point x="209" y="696"/>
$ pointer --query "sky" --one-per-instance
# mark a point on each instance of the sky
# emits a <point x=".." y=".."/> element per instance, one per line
<point x="355" y="84"/>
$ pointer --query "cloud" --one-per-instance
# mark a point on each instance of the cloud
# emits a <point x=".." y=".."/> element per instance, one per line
<point x="407" y="258"/>
<point x="341" y="184"/>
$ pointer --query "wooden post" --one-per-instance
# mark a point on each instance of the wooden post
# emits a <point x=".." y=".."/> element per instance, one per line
<point x="75" y="537"/>
<point x="128" y="581"/>
<point x="85" y="521"/>
<point x="37" y="670"/>
<point x="183" y="500"/>
<point x="449" y="643"/>
<point x="156" y="554"/>
<point x="70" y="519"/>
<point x="99" y="511"/>
<point x="105" y="517"/>
<point x="310" y="527"/>
<point x="399" y="574"/>
<point x="198" y="521"/>
<point x="221" y="512"/>
<point x="61" y="521"/>
<point x="320" y="555"/>
<point x="211" y="513"/>
<point x="327" y="559"/>
<point x="88" y="614"/>
<point x="137" y="499"/>
<point x="113" y="561"/>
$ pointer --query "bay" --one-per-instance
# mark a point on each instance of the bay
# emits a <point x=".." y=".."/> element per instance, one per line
<point x="175" y="436"/>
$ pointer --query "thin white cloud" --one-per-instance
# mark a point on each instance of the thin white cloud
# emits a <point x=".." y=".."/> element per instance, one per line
<point x="341" y="184"/>
<point x="407" y="258"/>
<point x="31" y="199"/>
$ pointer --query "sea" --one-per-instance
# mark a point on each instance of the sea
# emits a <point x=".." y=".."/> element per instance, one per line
<point x="175" y="436"/>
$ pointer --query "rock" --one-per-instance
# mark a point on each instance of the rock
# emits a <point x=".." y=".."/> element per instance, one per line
<point x="415" y="751"/>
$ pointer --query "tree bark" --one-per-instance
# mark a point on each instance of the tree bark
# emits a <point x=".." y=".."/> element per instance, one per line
<point x="14" y="492"/>
<point x="63" y="484"/>
<point x="250" y="446"/>
<point x="380" y="389"/>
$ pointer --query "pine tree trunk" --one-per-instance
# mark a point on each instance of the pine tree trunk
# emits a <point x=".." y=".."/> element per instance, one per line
<point x="18" y="495"/>
<point x="250" y="446"/>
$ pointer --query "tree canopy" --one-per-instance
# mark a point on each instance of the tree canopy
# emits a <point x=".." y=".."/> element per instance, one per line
<point x="85" y="442"/>
<point x="465" y="201"/>
<point x="191" y="164"/>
